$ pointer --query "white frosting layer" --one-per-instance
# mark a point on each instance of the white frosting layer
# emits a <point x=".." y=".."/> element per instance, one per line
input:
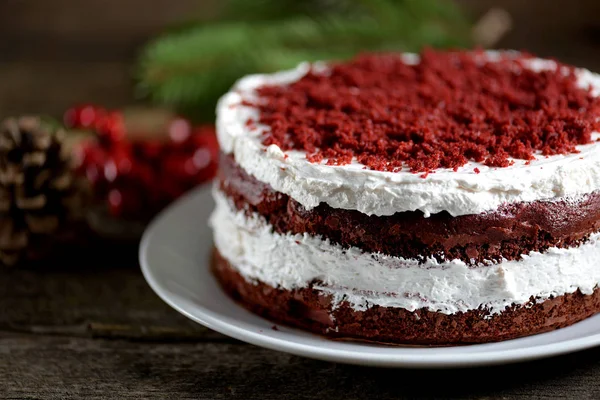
<point x="364" y="279"/>
<point x="385" y="193"/>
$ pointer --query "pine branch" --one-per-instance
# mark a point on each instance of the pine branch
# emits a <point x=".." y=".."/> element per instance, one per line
<point x="190" y="69"/>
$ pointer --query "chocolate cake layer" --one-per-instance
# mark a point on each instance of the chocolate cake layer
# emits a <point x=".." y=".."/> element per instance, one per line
<point x="309" y="309"/>
<point x="509" y="232"/>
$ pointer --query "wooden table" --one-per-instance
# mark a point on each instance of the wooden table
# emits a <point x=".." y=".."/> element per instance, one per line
<point x="97" y="331"/>
<point x="100" y="332"/>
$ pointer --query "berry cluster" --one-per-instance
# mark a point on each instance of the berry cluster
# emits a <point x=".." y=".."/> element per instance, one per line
<point x="138" y="177"/>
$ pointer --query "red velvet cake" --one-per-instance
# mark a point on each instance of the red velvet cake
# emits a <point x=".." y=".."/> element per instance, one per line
<point x="440" y="198"/>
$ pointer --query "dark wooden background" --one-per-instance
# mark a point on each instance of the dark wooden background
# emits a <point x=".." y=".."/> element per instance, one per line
<point x="55" y="53"/>
<point x="95" y="330"/>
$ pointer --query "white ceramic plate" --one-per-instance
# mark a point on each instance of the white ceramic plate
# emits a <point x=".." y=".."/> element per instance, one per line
<point x="174" y="255"/>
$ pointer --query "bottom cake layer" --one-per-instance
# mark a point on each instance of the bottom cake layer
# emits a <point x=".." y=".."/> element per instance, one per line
<point x="313" y="310"/>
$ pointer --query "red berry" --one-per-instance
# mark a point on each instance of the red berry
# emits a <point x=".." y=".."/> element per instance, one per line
<point x="171" y="189"/>
<point x="117" y="165"/>
<point x="204" y="137"/>
<point x="177" y="166"/>
<point x="209" y="143"/>
<point x="115" y="202"/>
<point x="88" y="116"/>
<point x="179" y="130"/>
<point x="190" y="167"/>
<point x="83" y="116"/>
<point x="92" y="173"/>
<point x="123" y="202"/>
<point x="152" y="148"/>
<point x="142" y="177"/>
<point x="79" y="153"/>
<point x="206" y="155"/>
<point x="142" y="173"/>
<point x="94" y="155"/>
<point x="110" y="171"/>
<point x="206" y="174"/>
<point x="206" y="129"/>
<point x="202" y="158"/>
<point x="122" y="158"/>
<point x="111" y="127"/>
<point x="71" y="118"/>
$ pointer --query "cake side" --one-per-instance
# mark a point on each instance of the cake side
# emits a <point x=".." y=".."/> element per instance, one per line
<point x="505" y="233"/>
<point x="312" y="310"/>
<point x="363" y="279"/>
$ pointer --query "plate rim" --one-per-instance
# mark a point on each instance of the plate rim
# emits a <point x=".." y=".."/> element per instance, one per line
<point x="426" y="357"/>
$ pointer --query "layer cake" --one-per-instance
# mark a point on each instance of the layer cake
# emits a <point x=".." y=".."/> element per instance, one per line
<point x="435" y="198"/>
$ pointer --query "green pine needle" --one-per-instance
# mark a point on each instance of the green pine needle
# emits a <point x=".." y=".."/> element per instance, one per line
<point x="190" y="69"/>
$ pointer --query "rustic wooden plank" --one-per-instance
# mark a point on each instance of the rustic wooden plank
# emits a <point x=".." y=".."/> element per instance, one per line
<point x="565" y="29"/>
<point x="55" y="319"/>
<point x="54" y="54"/>
<point x="110" y="19"/>
<point x="49" y="88"/>
<point x="94" y="301"/>
<point x="58" y="367"/>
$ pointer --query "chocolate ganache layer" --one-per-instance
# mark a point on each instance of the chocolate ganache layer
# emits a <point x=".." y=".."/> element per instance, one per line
<point x="506" y="233"/>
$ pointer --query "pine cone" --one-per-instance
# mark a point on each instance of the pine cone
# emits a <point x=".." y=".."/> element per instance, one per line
<point x="38" y="190"/>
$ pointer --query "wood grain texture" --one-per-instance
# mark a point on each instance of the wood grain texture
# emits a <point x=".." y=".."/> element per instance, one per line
<point x="93" y="329"/>
<point x="101" y="301"/>
<point x="57" y="367"/>
<point x="57" y="53"/>
<point x="100" y="332"/>
<point x="568" y="30"/>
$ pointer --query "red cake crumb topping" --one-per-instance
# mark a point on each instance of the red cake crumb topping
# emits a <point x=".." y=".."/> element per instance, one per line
<point x="450" y="108"/>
